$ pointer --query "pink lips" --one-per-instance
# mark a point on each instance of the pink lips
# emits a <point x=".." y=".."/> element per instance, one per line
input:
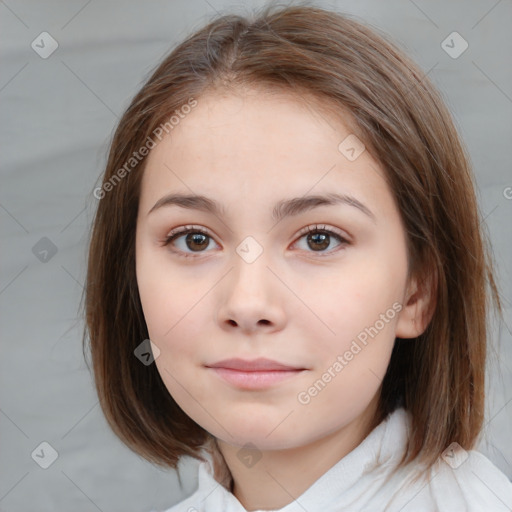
<point x="255" y="374"/>
<point x="255" y="365"/>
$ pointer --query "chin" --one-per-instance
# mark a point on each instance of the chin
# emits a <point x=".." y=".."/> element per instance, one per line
<point x="260" y="438"/>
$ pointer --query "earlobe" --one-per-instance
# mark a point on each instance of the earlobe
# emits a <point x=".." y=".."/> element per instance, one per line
<point x="419" y="306"/>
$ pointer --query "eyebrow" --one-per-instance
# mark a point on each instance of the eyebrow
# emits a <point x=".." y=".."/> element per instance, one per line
<point x="282" y="209"/>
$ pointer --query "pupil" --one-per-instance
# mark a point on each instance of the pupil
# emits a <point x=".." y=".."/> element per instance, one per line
<point x="323" y="238"/>
<point x="198" y="239"/>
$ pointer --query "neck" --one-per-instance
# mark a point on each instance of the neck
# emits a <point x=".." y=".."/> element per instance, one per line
<point x="280" y="476"/>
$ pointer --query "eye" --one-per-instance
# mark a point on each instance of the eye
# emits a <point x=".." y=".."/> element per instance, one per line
<point x="196" y="239"/>
<point x="319" y="238"/>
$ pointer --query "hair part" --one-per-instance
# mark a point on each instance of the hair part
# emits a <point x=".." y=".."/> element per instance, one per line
<point x="394" y="109"/>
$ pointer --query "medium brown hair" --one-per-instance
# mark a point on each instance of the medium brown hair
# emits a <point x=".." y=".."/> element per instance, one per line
<point x="400" y="117"/>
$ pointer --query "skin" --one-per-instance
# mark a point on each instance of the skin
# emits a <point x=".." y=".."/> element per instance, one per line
<point x="248" y="150"/>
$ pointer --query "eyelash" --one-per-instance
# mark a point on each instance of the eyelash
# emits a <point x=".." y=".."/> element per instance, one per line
<point x="305" y="231"/>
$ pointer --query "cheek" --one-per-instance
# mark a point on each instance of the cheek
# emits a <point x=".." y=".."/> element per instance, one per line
<point x="361" y="306"/>
<point x="344" y="304"/>
<point x="168" y="299"/>
<point x="171" y="318"/>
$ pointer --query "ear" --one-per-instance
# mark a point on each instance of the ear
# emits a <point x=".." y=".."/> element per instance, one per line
<point x="419" y="306"/>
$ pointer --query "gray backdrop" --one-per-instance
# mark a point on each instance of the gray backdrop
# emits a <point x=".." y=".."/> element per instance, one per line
<point x="58" y="113"/>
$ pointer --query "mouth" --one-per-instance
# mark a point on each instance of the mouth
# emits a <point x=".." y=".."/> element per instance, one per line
<point x="255" y="374"/>
<point x="255" y="365"/>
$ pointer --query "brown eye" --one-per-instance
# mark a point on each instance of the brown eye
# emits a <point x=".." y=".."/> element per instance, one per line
<point x="318" y="239"/>
<point x="196" y="241"/>
<point x="192" y="240"/>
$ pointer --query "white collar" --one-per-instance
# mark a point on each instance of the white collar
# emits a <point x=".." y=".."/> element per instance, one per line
<point x="371" y="461"/>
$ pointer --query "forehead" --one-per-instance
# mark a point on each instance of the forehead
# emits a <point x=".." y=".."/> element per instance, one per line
<point x="247" y="121"/>
<point x="238" y="146"/>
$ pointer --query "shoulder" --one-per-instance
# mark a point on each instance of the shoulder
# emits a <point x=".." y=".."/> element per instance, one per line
<point x="190" y="504"/>
<point x="480" y="484"/>
<point x="461" y="480"/>
<point x="204" y="493"/>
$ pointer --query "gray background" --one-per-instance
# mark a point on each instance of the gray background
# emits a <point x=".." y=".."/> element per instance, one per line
<point x="57" y="118"/>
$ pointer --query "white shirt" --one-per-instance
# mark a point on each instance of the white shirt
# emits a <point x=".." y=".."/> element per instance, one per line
<point x="360" y="481"/>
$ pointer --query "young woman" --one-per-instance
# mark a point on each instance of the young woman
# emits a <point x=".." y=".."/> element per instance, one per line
<point x="287" y="276"/>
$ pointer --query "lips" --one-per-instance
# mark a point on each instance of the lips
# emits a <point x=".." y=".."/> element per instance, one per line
<point x="255" y="365"/>
<point x="254" y="375"/>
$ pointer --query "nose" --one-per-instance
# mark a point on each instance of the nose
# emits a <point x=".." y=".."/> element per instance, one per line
<point x="251" y="298"/>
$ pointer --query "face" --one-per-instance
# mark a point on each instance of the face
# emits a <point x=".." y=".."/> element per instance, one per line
<point x="244" y="284"/>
